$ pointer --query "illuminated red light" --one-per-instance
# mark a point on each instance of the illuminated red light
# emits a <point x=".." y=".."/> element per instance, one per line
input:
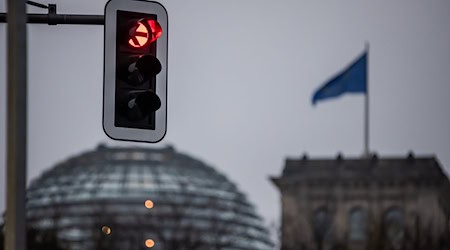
<point x="140" y="35"/>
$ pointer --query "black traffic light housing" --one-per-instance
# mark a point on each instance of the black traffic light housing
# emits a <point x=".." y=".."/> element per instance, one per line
<point x="135" y="71"/>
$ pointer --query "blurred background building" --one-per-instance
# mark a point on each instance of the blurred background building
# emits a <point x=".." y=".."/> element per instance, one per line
<point x="370" y="203"/>
<point x="139" y="198"/>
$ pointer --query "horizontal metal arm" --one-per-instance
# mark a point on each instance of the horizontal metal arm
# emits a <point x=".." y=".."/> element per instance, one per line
<point x="53" y="19"/>
<point x="61" y="19"/>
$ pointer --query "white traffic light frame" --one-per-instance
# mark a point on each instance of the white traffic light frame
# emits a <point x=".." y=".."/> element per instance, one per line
<point x="109" y="69"/>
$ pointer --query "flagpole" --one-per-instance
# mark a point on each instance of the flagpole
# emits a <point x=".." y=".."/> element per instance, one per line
<point x="366" y="107"/>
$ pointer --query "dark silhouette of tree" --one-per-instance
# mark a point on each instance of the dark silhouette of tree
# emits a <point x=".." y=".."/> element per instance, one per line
<point x="292" y="237"/>
<point x="444" y="201"/>
<point x="37" y="239"/>
<point x="339" y="246"/>
<point x="2" y="237"/>
<point x="376" y="239"/>
<point x="42" y="239"/>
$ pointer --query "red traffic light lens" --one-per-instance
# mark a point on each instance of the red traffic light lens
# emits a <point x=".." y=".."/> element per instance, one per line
<point x="139" y="35"/>
<point x="144" y="33"/>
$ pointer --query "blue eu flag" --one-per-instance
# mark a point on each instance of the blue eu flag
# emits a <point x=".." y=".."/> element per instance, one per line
<point x="353" y="79"/>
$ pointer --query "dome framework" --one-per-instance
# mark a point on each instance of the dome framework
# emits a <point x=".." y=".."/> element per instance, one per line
<point x="139" y="198"/>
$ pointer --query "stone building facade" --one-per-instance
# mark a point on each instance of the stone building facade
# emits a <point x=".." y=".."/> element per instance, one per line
<point x="364" y="203"/>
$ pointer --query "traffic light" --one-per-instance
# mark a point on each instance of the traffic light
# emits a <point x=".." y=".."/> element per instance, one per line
<point x="135" y="70"/>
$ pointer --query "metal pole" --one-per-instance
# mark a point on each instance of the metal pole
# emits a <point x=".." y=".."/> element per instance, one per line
<point x="366" y="107"/>
<point x="15" y="223"/>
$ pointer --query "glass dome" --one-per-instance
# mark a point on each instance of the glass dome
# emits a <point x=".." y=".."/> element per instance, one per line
<point x="140" y="198"/>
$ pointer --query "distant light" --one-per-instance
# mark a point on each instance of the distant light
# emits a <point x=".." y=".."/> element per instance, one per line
<point x="149" y="204"/>
<point x="149" y="243"/>
<point x="106" y="230"/>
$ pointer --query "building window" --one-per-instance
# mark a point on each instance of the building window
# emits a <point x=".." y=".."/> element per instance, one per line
<point x="358" y="224"/>
<point x="394" y="225"/>
<point x="321" y="225"/>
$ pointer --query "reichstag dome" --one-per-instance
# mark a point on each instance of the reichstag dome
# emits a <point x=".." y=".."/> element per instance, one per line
<point x="140" y="198"/>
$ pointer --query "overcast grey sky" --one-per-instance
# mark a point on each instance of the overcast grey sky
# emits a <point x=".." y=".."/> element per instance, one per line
<point x="241" y="77"/>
